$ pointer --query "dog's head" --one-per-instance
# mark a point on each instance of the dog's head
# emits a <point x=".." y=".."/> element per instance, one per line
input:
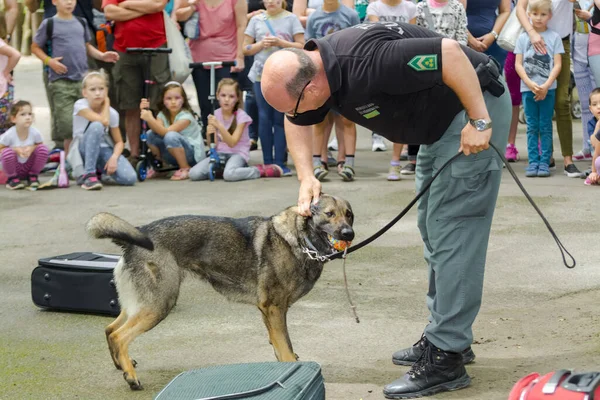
<point x="330" y="226"/>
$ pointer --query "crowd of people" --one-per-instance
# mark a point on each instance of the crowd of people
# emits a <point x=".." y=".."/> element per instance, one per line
<point x="97" y="103"/>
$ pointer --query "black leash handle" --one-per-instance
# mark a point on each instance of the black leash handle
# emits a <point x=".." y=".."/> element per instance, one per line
<point x="561" y="247"/>
<point x="383" y="230"/>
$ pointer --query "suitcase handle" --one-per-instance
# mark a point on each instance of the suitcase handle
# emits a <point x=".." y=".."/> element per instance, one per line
<point x="248" y="393"/>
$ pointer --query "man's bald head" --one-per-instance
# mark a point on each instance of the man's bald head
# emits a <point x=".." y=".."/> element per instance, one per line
<point x="285" y="74"/>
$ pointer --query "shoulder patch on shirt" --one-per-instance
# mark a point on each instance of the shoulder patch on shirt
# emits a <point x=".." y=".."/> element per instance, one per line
<point x="424" y="62"/>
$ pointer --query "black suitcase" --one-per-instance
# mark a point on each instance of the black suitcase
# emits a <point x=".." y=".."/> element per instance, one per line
<point x="80" y="282"/>
<point x="256" y="381"/>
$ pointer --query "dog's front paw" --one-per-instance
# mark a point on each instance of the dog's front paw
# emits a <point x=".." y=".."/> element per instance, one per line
<point x="134" y="363"/>
<point x="134" y="383"/>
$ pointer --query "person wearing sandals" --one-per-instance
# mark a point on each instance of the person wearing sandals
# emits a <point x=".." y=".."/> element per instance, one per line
<point x="175" y="136"/>
<point x="97" y="141"/>
<point x="229" y="128"/>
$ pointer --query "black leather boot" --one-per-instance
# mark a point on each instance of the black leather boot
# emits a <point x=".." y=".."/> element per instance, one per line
<point x="435" y="371"/>
<point x="409" y="355"/>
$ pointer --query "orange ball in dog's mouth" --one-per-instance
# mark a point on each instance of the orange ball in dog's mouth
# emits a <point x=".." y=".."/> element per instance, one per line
<point x="339" y="245"/>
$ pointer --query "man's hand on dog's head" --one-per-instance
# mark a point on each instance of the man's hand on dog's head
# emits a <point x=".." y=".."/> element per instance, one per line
<point x="310" y="190"/>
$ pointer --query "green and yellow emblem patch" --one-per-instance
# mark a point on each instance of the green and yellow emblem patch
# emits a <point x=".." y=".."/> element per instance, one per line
<point x="424" y="62"/>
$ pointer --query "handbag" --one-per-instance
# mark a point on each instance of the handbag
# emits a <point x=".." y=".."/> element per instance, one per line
<point x="191" y="27"/>
<point x="180" y="56"/>
<point x="510" y="32"/>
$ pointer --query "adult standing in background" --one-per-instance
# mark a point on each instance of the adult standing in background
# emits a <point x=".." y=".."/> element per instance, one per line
<point x="11" y="12"/>
<point x="562" y="23"/>
<point x="222" y="25"/>
<point x="485" y="20"/>
<point x="582" y="71"/>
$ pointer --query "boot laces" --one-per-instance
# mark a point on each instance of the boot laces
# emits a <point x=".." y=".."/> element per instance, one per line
<point x="424" y="364"/>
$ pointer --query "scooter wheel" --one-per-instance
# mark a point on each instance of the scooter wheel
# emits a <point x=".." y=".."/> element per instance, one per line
<point x="141" y="170"/>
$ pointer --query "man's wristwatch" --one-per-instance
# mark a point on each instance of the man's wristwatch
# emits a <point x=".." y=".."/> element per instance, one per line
<point x="494" y="34"/>
<point x="481" y="124"/>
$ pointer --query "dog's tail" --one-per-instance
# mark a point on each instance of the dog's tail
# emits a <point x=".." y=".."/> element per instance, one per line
<point x="106" y="225"/>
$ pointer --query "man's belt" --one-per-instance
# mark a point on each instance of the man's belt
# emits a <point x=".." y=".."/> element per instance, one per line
<point x="489" y="77"/>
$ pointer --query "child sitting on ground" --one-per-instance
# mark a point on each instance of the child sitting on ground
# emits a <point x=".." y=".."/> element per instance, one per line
<point x="594" y="132"/>
<point x="229" y="130"/>
<point x="175" y="135"/>
<point x="94" y="148"/>
<point x="22" y="152"/>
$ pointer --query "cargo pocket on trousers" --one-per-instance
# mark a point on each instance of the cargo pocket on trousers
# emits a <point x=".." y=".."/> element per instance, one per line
<point x="470" y="188"/>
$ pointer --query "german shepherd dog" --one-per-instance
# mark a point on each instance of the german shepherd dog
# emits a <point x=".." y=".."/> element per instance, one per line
<point x="255" y="260"/>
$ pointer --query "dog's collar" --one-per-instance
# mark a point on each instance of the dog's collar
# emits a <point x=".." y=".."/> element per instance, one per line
<point x="311" y="251"/>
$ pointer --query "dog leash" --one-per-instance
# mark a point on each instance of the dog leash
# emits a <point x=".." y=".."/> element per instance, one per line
<point x="383" y="230"/>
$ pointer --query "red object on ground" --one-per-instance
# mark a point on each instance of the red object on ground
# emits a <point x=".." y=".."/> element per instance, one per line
<point x="559" y="385"/>
<point x="3" y="177"/>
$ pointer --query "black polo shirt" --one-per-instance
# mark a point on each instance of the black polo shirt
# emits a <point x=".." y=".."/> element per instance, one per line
<point x="387" y="77"/>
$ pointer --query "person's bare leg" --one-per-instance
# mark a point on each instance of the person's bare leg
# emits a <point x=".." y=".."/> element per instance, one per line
<point x="155" y="152"/>
<point x="133" y="125"/>
<point x="178" y="154"/>
<point x="397" y="150"/>
<point x="514" y="124"/>
<point x="327" y="127"/>
<point x="67" y="144"/>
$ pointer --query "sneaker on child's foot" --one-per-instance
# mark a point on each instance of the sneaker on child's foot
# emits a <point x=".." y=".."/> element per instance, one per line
<point x="582" y="156"/>
<point x="572" y="171"/>
<point x="320" y="172"/>
<point x="333" y="144"/>
<point x="378" y="143"/>
<point x="532" y="170"/>
<point x="91" y="182"/>
<point x="543" y="170"/>
<point x="15" y="183"/>
<point x="408" y="169"/>
<point x="394" y="173"/>
<point x="347" y="173"/>
<point x="285" y="171"/>
<point x="269" y="170"/>
<point x="511" y="154"/>
<point x="34" y="182"/>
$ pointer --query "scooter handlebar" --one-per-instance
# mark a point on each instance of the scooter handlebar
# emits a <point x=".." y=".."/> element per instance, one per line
<point x="146" y="50"/>
<point x="211" y="63"/>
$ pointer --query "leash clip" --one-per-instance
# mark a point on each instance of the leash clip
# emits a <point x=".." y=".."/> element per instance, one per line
<point x="314" y="255"/>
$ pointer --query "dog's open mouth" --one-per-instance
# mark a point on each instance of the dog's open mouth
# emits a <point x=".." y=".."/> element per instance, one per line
<point x="339" y="245"/>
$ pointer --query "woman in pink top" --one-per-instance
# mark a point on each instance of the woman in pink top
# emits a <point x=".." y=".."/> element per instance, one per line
<point x="222" y="24"/>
